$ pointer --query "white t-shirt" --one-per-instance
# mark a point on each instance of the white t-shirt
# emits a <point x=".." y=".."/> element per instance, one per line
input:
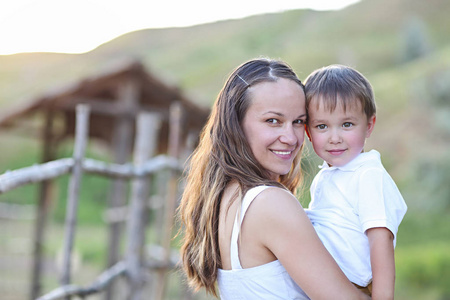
<point x="345" y="202"/>
<point x="269" y="281"/>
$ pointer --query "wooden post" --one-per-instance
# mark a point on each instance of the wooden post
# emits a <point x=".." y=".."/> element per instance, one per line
<point x="42" y="208"/>
<point x="122" y="144"/>
<point x="188" y="148"/>
<point x="175" y="121"/>
<point x="146" y="137"/>
<point x="81" y="137"/>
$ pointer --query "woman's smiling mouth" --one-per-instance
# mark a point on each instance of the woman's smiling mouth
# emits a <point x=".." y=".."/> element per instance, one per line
<point x="282" y="153"/>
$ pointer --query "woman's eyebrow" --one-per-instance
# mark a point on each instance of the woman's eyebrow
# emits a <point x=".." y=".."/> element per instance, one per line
<point x="273" y="112"/>
<point x="282" y="115"/>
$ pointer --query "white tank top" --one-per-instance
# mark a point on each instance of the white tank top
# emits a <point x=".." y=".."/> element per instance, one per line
<point x="268" y="281"/>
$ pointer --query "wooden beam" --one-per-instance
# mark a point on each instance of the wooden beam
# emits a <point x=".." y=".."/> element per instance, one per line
<point x="42" y="207"/>
<point x="103" y="281"/>
<point x="176" y="122"/>
<point x="121" y="147"/>
<point x="38" y="173"/>
<point x="112" y="107"/>
<point x="81" y="138"/>
<point x="146" y="137"/>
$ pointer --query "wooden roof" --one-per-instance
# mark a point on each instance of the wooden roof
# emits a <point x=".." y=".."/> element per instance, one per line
<point x="124" y="91"/>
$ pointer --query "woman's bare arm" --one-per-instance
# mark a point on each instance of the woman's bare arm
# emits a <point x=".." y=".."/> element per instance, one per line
<point x="290" y="236"/>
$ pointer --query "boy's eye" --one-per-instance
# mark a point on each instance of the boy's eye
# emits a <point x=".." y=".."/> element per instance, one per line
<point x="321" y="126"/>
<point x="299" y="121"/>
<point x="347" y="125"/>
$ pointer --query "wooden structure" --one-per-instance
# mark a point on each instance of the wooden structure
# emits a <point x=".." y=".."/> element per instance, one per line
<point x="115" y="99"/>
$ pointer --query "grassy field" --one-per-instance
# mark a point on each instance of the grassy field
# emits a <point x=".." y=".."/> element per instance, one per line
<point x="422" y="253"/>
<point x="422" y="257"/>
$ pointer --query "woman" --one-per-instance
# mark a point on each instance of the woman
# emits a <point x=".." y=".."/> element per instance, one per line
<point x="243" y="226"/>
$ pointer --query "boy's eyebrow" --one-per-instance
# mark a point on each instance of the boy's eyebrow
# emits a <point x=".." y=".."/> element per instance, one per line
<point x="317" y="120"/>
<point x="346" y="118"/>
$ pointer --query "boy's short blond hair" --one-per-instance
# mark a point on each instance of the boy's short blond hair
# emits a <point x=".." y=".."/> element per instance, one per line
<point x="332" y="84"/>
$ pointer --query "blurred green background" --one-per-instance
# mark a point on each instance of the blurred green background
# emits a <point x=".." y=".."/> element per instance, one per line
<point x="401" y="46"/>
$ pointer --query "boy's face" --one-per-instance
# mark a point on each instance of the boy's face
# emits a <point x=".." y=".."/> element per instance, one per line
<point x="338" y="136"/>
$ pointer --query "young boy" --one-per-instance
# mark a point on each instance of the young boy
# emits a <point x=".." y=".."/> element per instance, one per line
<point x="355" y="207"/>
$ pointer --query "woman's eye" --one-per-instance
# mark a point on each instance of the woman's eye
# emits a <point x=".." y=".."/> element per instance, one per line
<point x="273" y="121"/>
<point x="299" y="121"/>
<point x="321" y="126"/>
<point x="347" y="125"/>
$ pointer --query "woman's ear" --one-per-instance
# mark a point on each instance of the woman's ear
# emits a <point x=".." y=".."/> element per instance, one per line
<point x="370" y="125"/>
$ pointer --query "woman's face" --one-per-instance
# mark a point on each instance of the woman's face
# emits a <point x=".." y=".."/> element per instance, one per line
<point x="274" y="124"/>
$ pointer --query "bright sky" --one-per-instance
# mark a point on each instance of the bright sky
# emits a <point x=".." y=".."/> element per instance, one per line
<point x="77" y="26"/>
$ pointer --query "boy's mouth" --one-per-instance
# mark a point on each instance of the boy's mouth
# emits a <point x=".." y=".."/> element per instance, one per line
<point x="336" y="152"/>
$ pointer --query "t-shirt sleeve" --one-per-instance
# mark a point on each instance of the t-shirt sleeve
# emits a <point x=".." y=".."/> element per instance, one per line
<point x="380" y="203"/>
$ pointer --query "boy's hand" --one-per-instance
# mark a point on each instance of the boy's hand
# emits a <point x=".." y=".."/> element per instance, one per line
<point x="383" y="262"/>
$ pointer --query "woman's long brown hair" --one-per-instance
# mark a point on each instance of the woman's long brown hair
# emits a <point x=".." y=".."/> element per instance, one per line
<point x="222" y="155"/>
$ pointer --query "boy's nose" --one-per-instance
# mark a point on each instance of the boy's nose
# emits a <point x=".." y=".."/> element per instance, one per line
<point x="335" y="137"/>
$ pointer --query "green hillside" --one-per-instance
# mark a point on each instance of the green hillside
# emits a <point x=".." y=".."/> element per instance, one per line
<point x="368" y="35"/>
<point x="402" y="46"/>
<point x="383" y="39"/>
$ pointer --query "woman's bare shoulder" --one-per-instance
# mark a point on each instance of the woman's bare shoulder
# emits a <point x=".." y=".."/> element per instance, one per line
<point x="275" y="197"/>
<point x="278" y="204"/>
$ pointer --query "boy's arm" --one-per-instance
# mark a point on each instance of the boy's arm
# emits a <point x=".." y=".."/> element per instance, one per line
<point x="383" y="263"/>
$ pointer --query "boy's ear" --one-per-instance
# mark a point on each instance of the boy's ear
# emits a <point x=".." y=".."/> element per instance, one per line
<point x="370" y="125"/>
<point x="307" y="132"/>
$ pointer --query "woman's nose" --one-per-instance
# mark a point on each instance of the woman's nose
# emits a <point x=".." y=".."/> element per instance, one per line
<point x="289" y="136"/>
